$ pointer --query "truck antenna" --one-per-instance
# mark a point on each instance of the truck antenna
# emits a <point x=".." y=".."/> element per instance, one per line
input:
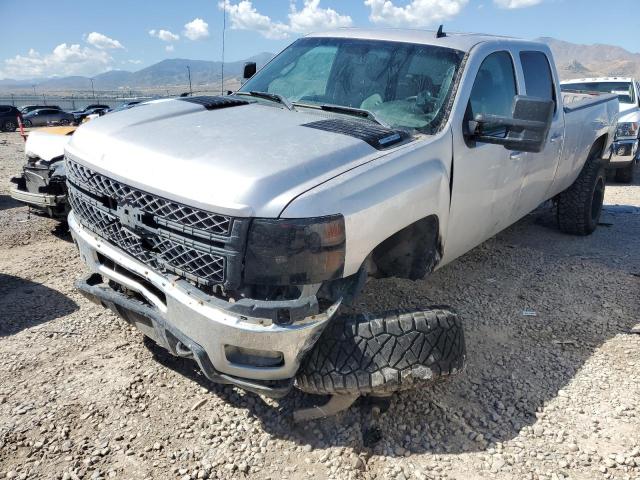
<point x="441" y="33"/>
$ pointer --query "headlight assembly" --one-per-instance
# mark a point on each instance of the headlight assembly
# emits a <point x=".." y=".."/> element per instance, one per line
<point x="295" y="251"/>
<point x="627" y="129"/>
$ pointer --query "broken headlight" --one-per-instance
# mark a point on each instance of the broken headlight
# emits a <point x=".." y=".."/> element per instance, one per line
<point x="295" y="251"/>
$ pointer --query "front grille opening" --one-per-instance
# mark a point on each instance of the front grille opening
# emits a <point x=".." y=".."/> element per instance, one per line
<point x="111" y="265"/>
<point x="250" y="357"/>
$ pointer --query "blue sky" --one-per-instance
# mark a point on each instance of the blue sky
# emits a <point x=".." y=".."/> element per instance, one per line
<point x="64" y="37"/>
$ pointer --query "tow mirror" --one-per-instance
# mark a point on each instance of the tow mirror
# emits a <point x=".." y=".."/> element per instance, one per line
<point x="250" y="69"/>
<point x="526" y="130"/>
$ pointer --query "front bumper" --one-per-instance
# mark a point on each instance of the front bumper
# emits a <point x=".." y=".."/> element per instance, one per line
<point x="210" y="328"/>
<point x="37" y="200"/>
<point x="623" y="152"/>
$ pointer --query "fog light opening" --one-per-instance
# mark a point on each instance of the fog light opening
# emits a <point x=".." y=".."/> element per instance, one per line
<point x="249" y="357"/>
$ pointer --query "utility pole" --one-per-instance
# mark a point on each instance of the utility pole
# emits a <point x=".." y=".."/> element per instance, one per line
<point x="34" y="91"/>
<point x="189" y="72"/>
<point x="224" y="28"/>
<point x="92" y="89"/>
<point x="13" y="102"/>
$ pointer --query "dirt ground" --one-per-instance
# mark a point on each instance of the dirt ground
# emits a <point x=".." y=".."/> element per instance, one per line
<point x="550" y="396"/>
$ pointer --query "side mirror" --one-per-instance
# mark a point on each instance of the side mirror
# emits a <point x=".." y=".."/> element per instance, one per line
<point x="250" y="69"/>
<point x="526" y="131"/>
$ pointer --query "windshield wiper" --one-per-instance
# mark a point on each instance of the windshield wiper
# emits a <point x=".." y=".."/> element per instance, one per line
<point x="274" y="97"/>
<point x="356" y="112"/>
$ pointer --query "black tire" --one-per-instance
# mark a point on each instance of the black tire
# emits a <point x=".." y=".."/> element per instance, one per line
<point x="28" y="124"/>
<point x="64" y="122"/>
<point x="392" y="352"/>
<point x="625" y="175"/>
<point x="9" y="126"/>
<point x="580" y="205"/>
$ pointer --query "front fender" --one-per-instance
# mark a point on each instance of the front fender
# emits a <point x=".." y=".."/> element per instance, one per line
<point x="384" y="196"/>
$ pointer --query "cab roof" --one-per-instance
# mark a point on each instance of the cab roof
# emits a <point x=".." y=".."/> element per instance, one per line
<point x="458" y="41"/>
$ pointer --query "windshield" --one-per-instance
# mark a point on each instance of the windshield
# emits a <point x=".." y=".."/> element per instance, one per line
<point x="624" y="90"/>
<point x="404" y="85"/>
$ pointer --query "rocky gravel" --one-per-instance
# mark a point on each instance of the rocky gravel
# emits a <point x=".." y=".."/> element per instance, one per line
<point x="551" y="391"/>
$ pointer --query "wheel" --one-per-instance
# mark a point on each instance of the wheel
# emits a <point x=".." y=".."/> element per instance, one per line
<point x="64" y="122"/>
<point x="579" y="206"/>
<point x="28" y="124"/>
<point x="10" y="126"/>
<point x="391" y="352"/>
<point x="625" y="174"/>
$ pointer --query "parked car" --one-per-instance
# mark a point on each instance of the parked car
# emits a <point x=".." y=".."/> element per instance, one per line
<point x="352" y="155"/>
<point x="126" y="106"/>
<point x="80" y="115"/>
<point x="42" y="185"/>
<point x="47" y="116"/>
<point x="9" y="118"/>
<point x="625" y="148"/>
<point x="30" y="108"/>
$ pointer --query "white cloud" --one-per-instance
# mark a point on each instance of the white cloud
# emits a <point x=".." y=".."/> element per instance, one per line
<point x="311" y="17"/>
<point x="516" y="3"/>
<point x="164" y="35"/>
<point x="418" y="13"/>
<point x="65" y="59"/>
<point x="102" y="42"/>
<point x="169" y="48"/>
<point x="196" y="29"/>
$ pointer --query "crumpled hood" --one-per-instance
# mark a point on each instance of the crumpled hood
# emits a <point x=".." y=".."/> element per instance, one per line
<point x="45" y="146"/>
<point x="248" y="160"/>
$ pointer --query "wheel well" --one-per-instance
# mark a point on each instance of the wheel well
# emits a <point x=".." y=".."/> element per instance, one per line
<point x="411" y="253"/>
<point x="599" y="145"/>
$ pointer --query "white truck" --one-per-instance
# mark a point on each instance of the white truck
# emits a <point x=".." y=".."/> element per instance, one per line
<point x="232" y="229"/>
<point x="625" y="147"/>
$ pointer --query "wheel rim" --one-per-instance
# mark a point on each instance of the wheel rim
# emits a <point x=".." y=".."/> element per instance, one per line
<point x="10" y="125"/>
<point x="598" y="199"/>
<point x="64" y="122"/>
<point x="27" y="123"/>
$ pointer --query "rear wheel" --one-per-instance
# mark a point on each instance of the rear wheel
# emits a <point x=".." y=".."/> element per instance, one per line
<point x="10" y="126"/>
<point x="385" y="353"/>
<point x="625" y="174"/>
<point x="580" y="205"/>
<point x="28" y="124"/>
<point x="64" y="122"/>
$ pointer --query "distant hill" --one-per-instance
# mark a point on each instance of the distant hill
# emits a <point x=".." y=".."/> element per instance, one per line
<point x="574" y="60"/>
<point x="165" y="73"/>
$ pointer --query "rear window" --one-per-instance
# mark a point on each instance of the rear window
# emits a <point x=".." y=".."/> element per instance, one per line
<point x="537" y="75"/>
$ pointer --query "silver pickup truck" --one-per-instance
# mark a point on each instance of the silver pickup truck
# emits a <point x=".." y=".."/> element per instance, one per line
<point x="232" y="229"/>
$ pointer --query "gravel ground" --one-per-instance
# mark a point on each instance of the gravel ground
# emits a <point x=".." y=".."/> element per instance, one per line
<point x="550" y="396"/>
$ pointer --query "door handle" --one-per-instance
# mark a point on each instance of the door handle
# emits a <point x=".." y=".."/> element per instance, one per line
<point x="516" y="155"/>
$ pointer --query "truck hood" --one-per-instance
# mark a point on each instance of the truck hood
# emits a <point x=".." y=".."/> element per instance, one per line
<point x="629" y="112"/>
<point x="248" y="160"/>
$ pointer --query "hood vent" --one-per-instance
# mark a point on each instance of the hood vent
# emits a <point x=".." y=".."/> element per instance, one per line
<point x="215" y="103"/>
<point x="377" y="136"/>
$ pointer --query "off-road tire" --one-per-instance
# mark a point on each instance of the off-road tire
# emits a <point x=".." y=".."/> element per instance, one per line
<point x="579" y="206"/>
<point x="9" y="126"/>
<point x="625" y="175"/>
<point x="394" y="351"/>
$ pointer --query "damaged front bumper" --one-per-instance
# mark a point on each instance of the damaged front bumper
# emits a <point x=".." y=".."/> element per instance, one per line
<point x="41" y="201"/>
<point x="237" y="343"/>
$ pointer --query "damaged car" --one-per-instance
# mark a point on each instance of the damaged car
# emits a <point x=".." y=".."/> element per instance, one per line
<point x="42" y="185"/>
<point x="238" y="240"/>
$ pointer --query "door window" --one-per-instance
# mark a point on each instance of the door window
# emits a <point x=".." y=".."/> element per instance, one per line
<point x="537" y="75"/>
<point x="494" y="89"/>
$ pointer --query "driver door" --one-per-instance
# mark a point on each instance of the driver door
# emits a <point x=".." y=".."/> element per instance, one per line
<point x="486" y="178"/>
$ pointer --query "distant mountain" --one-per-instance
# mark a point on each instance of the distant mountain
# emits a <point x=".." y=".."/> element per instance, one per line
<point x="165" y="73"/>
<point x="574" y="60"/>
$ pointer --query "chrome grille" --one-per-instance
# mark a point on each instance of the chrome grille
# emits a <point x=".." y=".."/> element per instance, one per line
<point x="165" y="211"/>
<point x="166" y="236"/>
